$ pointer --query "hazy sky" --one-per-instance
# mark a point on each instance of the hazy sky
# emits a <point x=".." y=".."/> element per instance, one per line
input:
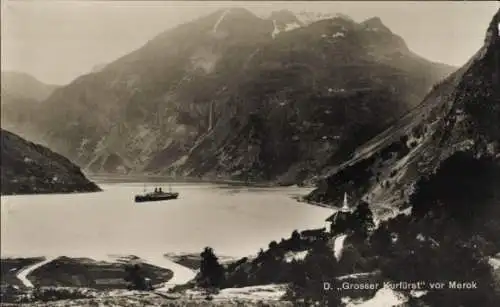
<point x="56" y="41"/>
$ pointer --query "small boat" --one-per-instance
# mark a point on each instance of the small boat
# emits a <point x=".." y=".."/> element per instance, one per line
<point x="157" y="195"/>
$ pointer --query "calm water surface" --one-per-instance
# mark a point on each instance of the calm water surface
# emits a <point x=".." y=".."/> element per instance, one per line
<point x="235" y="221"/>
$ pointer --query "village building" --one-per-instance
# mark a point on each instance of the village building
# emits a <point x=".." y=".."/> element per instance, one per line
<point x="311" y="235"/>
<point x="339" y="217"/>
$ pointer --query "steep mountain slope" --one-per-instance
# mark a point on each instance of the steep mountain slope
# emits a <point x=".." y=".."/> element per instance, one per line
<point x="154" y="98"/>
<point x="29" y="168"/>
<point x="308" y="98"/>
<point x="462" y="113"/>
<point x="20" y="95"/>
<point x="189" y="101"/>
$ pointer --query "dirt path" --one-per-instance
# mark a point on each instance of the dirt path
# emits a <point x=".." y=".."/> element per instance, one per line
<point x="339" y="245"/>
<point x="23" y="274"/>
<point x="181" y="276"/>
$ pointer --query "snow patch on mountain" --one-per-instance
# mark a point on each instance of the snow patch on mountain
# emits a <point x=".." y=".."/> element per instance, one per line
<point x="287" y="27"/>
<point x="291" y="26"/>
<point x="221" y="18"/>
<point x="308" y="18"/>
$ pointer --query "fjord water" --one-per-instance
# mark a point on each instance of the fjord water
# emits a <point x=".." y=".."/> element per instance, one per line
<point x="235" y="221"/>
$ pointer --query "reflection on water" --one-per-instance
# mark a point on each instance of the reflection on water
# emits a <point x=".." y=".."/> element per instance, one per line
<point x="235" y="221"/>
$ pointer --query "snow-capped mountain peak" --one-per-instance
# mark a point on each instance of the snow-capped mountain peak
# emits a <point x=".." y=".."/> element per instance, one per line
<point x="309" y="17"/>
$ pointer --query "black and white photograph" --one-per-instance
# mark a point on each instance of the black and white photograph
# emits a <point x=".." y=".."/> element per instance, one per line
<point x="250" y="153"/>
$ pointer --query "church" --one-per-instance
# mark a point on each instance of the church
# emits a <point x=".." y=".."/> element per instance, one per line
<point x="339" y="217"/>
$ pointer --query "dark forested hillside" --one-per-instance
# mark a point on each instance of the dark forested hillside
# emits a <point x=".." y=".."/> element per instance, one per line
<point x="28" y="168"/>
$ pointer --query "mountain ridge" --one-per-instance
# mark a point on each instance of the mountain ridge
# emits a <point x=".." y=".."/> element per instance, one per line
<point x="457" y="115"/>
<point x="21" y="95"/>
<point x="151" y="109"/>
<point x="25" y="86"/>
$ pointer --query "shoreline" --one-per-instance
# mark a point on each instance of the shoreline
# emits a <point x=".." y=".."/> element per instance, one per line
<point x="223" y="184"/>
<point x="36" y="291"/>
<point x="47" y="270"/>
<point x="140" y="178"/>
<point x="301" y="199"/>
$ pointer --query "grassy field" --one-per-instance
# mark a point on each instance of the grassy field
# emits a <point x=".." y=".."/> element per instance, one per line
<point x="66" y="278"/>
<point x="83" y="272"/>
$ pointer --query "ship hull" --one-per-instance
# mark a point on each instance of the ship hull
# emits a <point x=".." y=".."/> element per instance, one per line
<point x="148" y="198"/>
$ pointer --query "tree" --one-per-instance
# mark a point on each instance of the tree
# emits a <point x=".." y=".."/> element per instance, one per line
<point x="381" y="240"/>
<point x="211" y="271"/>
<point x="273" y="245"/>
<point x="361" y="220"/>
<point x="320" y="265"/>
<point x="307" y="277"/>
<point x="352" y="260"/>
<point x="135" y="276"/>
<point x="298" y="278"/>
<point x="453" y="228"/>
<point x="460" y="189"/>
<point x="295" y="240"/>
<point x="453" y="260"/>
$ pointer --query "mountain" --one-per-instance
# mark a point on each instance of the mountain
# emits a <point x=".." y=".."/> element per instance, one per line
<point x="459" y="116"/>
<point x="284" y="21"/>
<point x="445" y="158"/>
<point x="20" y="95"/>
<point x="234" y="95"/>
<point x="442" y="160"/>
<point x="154" y="98"/>
<point x="25" y="86"/>
<point x="309" y="97"/>
<point x="28" y="168"/>
<point x="311" y="17"/>
<point x="97" y="68"/>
